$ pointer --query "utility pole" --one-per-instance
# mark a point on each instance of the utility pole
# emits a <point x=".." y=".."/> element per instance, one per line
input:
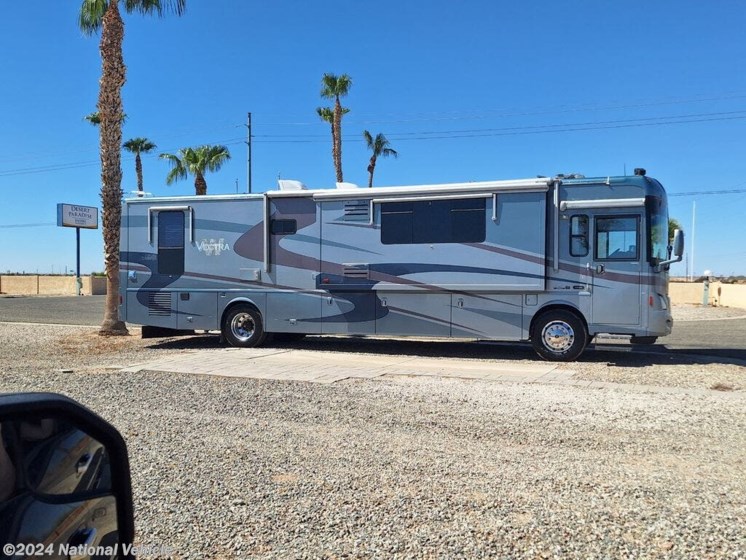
<point x="248" y="158"/>
<point x="694" y="206"/>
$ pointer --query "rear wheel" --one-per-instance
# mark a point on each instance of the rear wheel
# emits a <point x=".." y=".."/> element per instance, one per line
<point x="559" y="336"/>
<point x="242" y="327"/>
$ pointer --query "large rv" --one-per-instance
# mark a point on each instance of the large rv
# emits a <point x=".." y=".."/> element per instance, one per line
<point x="554" y="261"/>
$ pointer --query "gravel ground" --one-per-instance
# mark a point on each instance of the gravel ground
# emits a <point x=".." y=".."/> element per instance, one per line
<point x="409" y="467"/>
<point x="671" y="369"/>
<point x="699" y="313"/>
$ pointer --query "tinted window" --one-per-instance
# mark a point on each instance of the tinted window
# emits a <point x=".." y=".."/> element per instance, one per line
<point x="283" y="227"/>
<point x="433" y="221"/>
<point x="171" y="243"/>
<point x="658" y="240"/>
<point x="579" y="236"/>
<point x="617" y="238"/>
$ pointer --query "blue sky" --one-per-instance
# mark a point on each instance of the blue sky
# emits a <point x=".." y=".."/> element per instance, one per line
<point x="465" y="90"/>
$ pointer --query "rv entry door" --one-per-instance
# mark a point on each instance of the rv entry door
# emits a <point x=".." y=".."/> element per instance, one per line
<point x="617" y="255"/>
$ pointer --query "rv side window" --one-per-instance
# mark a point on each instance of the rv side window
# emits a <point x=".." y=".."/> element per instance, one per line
<point x="617" y="238"/>
<point x="433" y="221"/>
<point x="579" y="236"/>
<point x="283" y="227"/>
<point x="171" y="242"/>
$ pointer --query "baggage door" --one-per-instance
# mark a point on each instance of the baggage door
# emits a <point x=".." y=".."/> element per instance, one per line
<point x="294" y="303"/>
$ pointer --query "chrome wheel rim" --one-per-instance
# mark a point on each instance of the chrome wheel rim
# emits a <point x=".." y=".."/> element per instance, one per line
<point x="242" y="326"/>
<point x="558" y="336"/>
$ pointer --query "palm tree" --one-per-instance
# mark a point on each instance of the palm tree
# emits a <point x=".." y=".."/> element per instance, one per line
<point x="139" y="146"/>
<point x="104" y="15"/>
<point x="336" y="87"/>
<point x="196" y="161"/>
<point x="673" y="225"/>
<point x="380" y="147"/>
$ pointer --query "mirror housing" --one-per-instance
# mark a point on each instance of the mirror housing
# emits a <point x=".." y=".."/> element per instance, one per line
<point x="65" y="470"/>
<point x="678" y="243"/>
<point x="677" y="248"/>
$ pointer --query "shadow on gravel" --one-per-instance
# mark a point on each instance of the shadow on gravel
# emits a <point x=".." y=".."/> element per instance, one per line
<point x="712" y="355"/>
<point x="616" y="355"/>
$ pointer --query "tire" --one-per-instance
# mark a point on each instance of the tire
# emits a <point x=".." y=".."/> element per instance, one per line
<point x="243" y="328"/>
<point x="559" y="336"/>
<point x="643" y="340"/>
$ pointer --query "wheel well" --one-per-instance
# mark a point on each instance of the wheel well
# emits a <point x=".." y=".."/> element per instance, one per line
<point x="557" y="307"/>
<point x="235" y="303"/>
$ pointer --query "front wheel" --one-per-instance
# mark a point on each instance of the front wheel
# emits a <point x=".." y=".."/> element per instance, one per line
<point x="559" y="336"/>
<point x="242" y="327"/>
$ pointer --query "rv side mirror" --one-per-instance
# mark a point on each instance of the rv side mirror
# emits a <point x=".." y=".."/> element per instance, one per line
<point x="678" y="243"/>
<point x="64" y="481"/>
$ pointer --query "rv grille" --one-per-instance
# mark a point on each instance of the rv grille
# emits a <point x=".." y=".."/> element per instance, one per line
<point x="357" y="211"/>
<point x="355" y="271"/>
<point x="159" y="304"/>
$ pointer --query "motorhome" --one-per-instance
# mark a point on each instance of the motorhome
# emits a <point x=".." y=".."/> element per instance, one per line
<point x="554" y="261"/>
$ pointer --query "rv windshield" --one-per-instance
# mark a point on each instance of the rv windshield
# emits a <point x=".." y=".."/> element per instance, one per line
<point x="657" y="213"/>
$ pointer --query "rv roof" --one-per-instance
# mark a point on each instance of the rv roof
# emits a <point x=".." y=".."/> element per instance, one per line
<point x="536" y="184"/>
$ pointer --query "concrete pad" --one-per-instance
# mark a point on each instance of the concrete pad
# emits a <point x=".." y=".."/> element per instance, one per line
<point x="331" y="367"/>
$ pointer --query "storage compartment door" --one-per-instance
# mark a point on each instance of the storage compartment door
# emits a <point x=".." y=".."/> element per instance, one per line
<point x="497" y="316"/>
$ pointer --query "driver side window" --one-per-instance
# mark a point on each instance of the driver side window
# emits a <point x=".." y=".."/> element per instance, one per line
<point x="617" y="238"/>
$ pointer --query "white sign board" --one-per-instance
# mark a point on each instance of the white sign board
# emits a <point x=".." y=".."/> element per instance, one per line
<point x="73" y="215"/>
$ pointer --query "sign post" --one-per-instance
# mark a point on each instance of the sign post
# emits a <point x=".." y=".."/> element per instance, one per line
<point x="74" y="215"/>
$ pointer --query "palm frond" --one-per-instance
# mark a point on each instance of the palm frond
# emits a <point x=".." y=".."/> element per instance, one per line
<point x="93" y="118"/>
<point x="139" y="145"/>
<point x="368" y="139"/>
<point x="333" y="87"/>
<point x="178" y="171"/>
<point x="380" y="146"/>
<point x="157" y="7"/>
<point x="91" y="15"/>
<point x="216" y="156"/>
<point x="326" y="113"/>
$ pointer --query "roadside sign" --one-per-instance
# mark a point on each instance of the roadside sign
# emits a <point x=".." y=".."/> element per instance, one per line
<point x="77" y="216"/>
<point x="74" y="215"/>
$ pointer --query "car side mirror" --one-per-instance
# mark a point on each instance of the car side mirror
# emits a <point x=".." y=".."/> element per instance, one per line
<point x="65" y="488"/>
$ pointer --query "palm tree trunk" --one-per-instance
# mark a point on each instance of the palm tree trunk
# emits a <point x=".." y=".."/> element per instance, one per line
<point x="200" y="185"/>
<point x="371" y="169"/>
<point x="110" y="111"/>
<point x="138" y="170"/>
<point x="334" y="146"/>
<point x="338" y="138"/>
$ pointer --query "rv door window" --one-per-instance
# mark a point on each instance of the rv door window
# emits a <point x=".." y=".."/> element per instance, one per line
<point x="617" y="238"/>
<point x="433" y="221"/>
<point x="171" y="242"/>
<point x="579" y="236"/>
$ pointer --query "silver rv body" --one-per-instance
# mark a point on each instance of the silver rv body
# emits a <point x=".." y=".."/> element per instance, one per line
<point x="554" y="261"/>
